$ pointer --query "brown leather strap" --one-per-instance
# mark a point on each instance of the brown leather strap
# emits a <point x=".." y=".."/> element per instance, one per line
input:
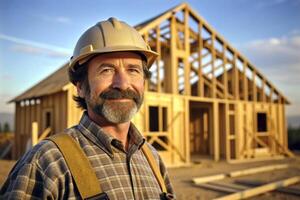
<point x="82" y="171"/>
<point x="154" y="166"/>
<point x="79" y="165"/>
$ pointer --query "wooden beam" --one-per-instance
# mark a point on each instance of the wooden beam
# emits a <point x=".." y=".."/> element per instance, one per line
<point x="257" y="170"/>
<point x="216" y="131"/>
<point x="200" y="80"/>
<point x="245" y="81"/>
<point x="34" y="133"/>
<point x="293" y="191"/>
<point x="187" y="68"/>
<point x="216" y="187"/>
<point x="261" y="189"/>
<point x="158" y="50"/>
<point x="254" y="87"/>
<point x="225" y="78"/>
<point x="205" y="179"/>
<point x="214" y="85"/>
<point x="162" y="18"/>
<point x="174" y="61"/>
<point x="227" y="132"/>
<point x="235" y="78"/>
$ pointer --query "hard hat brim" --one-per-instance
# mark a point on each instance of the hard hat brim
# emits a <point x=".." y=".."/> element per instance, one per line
<point x="149" y="55"/>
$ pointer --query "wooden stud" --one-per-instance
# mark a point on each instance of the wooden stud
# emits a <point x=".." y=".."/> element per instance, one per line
<point x="200" y="78"/>
<point x="174" y="61"/>
<point x="187" y="68"/>
<point x="227" y="132"/>
<point x="216" y="131"/>
<point x="158" y="50"/>
<point x="34" y="133"/>
<point x="235" y="78"/>
<point x="245" y="81"/>
<point x="214" y="80"/>
<point x="225" y="80"/>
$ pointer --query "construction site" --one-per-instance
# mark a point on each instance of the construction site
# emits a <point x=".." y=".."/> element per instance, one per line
<point x="218" y="123"/>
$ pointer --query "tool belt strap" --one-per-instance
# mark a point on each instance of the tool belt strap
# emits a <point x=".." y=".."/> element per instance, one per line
<point x="83" y="174"/>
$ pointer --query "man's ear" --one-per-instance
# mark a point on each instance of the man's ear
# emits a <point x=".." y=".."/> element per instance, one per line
<point x="80" y="90"/>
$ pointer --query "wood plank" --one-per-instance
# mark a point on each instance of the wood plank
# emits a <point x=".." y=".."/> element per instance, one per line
<point x="209" y="178"/>
<point x="261" y="189"/>
<point x="219" y="188"/>
<point x="236" y="187"/>
<point x="290" y="190"/>
<point x="257" y="170"/>
<point x="238" y="173"/>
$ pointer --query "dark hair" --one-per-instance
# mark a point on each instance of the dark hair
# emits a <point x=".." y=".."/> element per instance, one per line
<point x="79" y="75"/>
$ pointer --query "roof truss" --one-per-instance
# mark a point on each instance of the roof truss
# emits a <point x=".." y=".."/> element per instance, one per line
<point x="201" y="62"/>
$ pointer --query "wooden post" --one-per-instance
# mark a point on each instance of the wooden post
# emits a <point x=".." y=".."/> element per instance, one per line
<point x="254" y="86"/>
<point x="227" y="133"/>
<point x="158" y="50"/>
<point x="200" y="75"/>
<point x="216" y="131"/>
<point x="225" y="80"/>
<point x="235" y="77"/>
<point x="34" y="133"/>
<point x="245" y="80"/>
<point x="187" y="68"/>
<point x="213" y="51"/>
<point x="146" y="38"/>
<point x="187" y="129"/>
<point x="174" y="61"/>
<point x="263" y="95"/>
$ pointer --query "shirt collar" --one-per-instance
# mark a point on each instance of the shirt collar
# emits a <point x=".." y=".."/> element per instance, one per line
<point x="96" y="134"/>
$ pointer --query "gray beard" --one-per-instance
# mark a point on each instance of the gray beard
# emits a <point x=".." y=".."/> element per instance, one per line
<point x="118" y="112"/>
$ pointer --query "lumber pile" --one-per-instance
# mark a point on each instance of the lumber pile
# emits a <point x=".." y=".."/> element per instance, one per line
<point x="242" y="189"/>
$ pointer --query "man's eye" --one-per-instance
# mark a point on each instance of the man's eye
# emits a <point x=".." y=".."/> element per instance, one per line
<point x="106" y="70"/>
<point x="135" y="70"/>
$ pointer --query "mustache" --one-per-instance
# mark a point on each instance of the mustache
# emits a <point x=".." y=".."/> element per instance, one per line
<point x="120" y="94"/>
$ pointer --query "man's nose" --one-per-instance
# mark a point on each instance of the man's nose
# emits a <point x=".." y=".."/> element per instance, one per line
<point x="121" y="80"/>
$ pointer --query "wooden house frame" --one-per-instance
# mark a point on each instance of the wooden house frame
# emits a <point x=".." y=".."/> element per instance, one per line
<point x="204" y="98"/>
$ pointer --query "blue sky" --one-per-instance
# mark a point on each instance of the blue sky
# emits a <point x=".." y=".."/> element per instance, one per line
<point x="37" y="36"/>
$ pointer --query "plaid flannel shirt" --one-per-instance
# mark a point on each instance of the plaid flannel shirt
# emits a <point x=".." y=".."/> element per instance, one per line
<point x="42" y="173"/>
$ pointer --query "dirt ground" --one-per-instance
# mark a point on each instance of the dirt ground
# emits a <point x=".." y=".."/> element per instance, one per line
<point x="185" y="189"/>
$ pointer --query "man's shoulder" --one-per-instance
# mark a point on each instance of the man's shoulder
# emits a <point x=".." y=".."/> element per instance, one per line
<point x="153" y="151"/>
<point x="45" y="152"/>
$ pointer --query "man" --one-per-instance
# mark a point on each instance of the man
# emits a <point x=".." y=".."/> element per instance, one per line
<point x="108" y="67"/>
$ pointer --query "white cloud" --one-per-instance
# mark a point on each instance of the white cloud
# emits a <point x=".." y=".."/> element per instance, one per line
<point x="39" y="51"/>
<point x="32" y="47"/>
<point x="269" y="3"/>
<point x="55" y="19"/>
<point x="275" y="53"/>
<point x="279" y="60"/>
<point x="63" y="20"/>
